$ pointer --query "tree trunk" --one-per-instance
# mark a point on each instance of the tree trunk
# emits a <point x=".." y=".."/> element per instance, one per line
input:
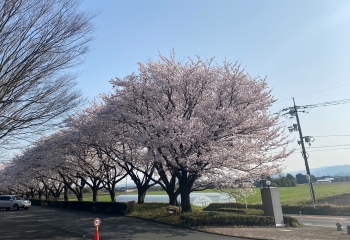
<point x="40" y="194"/>
<point x="185" y="201"/>
<point x="112" y="194"/>
<point x="94" y="194"/>
<point x="80" y="196"/>
<point x="173" y="197"/>
<point x="65" y="193"/>
<point x="47" y="194"/>
<point x="168" y="185"/>
<point x="79" y="193"/>
<point x="141" y="193"/>
<point x="185" y="192"/>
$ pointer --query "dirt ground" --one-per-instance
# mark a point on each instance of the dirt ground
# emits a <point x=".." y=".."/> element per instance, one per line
<point x="303" y="233"/>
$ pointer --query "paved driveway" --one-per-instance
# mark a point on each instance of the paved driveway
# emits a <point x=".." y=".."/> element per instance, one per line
<point x="53" y="223"/>
<point x="322" y="220"/>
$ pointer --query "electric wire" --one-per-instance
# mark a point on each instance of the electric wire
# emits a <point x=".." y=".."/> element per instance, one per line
<point x="325" y="104"/>
<point x="336" y="149"/>
<point x="333" y="136"/>
<point x="309" y="106"/>
<point x="314" y="92"/>
<point x="317" y="150"/>
<point x="342" y="145"/>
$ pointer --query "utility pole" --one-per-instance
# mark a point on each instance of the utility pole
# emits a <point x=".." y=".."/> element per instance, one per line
<point x="293" y="111"/>
<point x="305" y="156"/>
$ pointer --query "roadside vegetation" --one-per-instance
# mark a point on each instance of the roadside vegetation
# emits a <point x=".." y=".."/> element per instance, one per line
<point x="200" y="217"/>
<point x="294" y="200"/>
<point x="299" y="195"/>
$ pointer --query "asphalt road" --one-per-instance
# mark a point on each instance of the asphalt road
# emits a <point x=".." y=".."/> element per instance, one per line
<point x="52" y="223"/>
<point x="322" y="220"/>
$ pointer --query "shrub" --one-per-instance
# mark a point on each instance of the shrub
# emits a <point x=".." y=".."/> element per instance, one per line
<point x="225" y="219"/>
<point x="291" y="222"/>
<point x="286" y="209"/>
<point x="319" y="210"/>
<point x="131" y="206"/>
<point x="216" y="206"/>
<point x="247" y="211"/>
<point x="100" y="207"/>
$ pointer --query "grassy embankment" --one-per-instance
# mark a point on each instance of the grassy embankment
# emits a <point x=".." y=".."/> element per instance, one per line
<point x="289" y="195"/>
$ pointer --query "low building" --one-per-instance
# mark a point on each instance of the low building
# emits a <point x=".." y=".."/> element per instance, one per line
<point x="323" y="180"/>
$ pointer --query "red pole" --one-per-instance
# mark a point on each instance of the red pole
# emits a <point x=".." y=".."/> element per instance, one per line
<point x="96" y="237"/>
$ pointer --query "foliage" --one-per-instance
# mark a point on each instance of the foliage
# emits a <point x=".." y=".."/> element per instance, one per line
<point x="301" y="178"/>
<point x="201" y="121"/>
<point x="240" y="206"/>
<point x="131" y="206"/>
<point x="318" y="210"/>
<point x="246" y="211"/>
<point x="291" y="222"/>
<point x="281" y="181"/>
<point x="225" y="219"/>
<point x="286" y="209"/>
<point x="99" y="207"/>
<point x="154" y="211"/>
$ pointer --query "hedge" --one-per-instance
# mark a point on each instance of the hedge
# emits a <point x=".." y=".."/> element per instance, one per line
<point x="116" y="208"/>
<point x="250" y="214"/>
<point x="216" y="206"/>
<point x="247" y="211"/>
<point x="225" y="219"/>
<point x="291" y="222"/>
<point x="319" y="210"/>
<point x="287" y="209"/>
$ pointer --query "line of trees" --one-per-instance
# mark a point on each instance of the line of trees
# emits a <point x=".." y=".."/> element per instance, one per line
<point x="194" y="123"/>
<point x="282" y="181"/>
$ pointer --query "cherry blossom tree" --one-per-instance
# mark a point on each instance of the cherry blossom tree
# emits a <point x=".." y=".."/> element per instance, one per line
<point x="202" y="121"/>
<point x="52" y="157"/>
<point x="102" y="130"/>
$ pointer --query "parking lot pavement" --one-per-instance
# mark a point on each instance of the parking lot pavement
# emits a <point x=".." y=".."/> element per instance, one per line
<point x="24" y="224"/>
<point x="52" y="223"/>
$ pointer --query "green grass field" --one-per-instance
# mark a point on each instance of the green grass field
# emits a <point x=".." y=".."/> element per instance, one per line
<point x="301" y="193"/>
<point x="289" y="195"/>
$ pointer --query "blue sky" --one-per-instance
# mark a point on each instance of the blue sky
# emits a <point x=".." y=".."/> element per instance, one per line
<point x="301" y="46"/>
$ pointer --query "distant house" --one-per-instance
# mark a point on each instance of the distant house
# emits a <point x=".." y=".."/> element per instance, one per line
<point x="129" y="189"/>
<point x="324" y="180"/>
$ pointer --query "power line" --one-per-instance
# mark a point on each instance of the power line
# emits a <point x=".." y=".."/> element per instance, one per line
<point x="331" y="146"/>
<point x="336" y="149"/>
<point x="319" y="150"/>
<point x="325" y="104"/>
<point x="333" y="136"/>
<point x="291" y="110"/>
<point x="314" y="92"/>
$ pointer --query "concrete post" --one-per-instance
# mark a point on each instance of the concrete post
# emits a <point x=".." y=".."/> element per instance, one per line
<point x="272" y="204"/>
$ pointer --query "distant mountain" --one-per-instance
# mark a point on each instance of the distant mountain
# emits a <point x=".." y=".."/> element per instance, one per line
<point x="340" y="170"/>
